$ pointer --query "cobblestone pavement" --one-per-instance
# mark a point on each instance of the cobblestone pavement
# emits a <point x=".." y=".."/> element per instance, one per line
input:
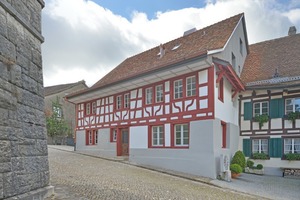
<point x="77" y="176"/>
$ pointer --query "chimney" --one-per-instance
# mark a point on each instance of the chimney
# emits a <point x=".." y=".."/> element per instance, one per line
<point x="292" y="30"/>
<point x="161" y="50"/>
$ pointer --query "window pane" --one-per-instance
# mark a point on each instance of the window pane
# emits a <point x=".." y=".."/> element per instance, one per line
<point x="288" y="106"/>
<point x="288" y="145"/>
<point x="297" y="104"/>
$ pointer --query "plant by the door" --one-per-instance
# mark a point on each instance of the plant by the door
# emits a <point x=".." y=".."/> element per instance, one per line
<point x="238" y="164"/>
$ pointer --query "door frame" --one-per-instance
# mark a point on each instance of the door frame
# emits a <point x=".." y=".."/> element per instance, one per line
<point x="119" y="140"/>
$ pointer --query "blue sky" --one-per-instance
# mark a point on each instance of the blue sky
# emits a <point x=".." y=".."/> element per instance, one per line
<point x="150" y="7"/>
<point x="88" y="38"/>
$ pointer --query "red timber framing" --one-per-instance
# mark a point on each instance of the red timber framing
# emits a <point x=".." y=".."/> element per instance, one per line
<point x="196" y="105"/>
<point x="226" y="70"/>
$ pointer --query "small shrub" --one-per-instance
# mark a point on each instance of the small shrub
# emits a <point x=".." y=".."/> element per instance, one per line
<point x="250" y="163"/>
<point x="292" y="156"/>
<point x="260" y="156"/>
<point x="236" y="168"/>
<point x="261" y="119"/>
<point x="292" y="116"/>
<point x="259" y="166"/>
<point x="239" y="158"/>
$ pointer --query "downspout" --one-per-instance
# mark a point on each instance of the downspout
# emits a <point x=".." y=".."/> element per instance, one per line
<point x="74" y="133"/>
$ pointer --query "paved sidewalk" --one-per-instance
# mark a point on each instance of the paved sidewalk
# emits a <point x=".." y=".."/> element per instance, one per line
<point x="271" y="187"/>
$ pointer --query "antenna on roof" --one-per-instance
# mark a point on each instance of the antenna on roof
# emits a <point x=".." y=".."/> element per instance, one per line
<point x="276" y="75"/>
<point x="161" y="50"/>
<point x="189" y="31"/>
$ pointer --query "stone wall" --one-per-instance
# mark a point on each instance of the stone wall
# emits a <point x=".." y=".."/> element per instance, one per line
<point x="23" y="141"/>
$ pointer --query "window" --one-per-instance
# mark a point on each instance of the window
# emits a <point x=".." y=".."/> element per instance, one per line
<point x="159" y="93"/>
<point x="126" y="100"/>
<point x="57" y="110"/>
<point x="223" y="124"/>
<point x="191" y="86"/>
<point x="119" y="102"/>
<point x="157" y="136"/>
<point x="221" y="90"/>
<point x="96" y="136"/>
<point x="260" y="146"/>
<point x="261" y="108"/>
<point x="181" y="135"/>
<point x="178" y="93"/>
<point x="241" y="46"/>
<point x="291" y="145"/>
<point x="292" y="105"/>
<point x="114" y="135"/>
<point x="233" y="61"/>
<point x="90" y="137"/>
<point x="88" y="109"/>
<point x="148" y="95"/>
<point x="94" y="108"/>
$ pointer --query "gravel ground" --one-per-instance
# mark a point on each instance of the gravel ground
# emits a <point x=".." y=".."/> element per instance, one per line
<point x="76" y="176"/>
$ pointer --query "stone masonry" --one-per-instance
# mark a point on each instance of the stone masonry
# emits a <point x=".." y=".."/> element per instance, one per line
<point x="24" y="169"/>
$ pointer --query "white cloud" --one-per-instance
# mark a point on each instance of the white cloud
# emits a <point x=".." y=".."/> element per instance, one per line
<point x="84" y="40"/>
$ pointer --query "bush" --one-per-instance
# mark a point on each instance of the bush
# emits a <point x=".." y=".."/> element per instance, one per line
<point x="236" y="168"/>
<point x="239" y="158"/>
<point x="260" y="156"/>
<point x="250" y="163"/>
<point x="259" y="166"/>
<point x="292" y="156"/>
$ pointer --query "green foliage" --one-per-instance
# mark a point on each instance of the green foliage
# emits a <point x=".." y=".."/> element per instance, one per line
<point x="292" y="116"/>
<point x="236" y="168"/>
<point x="261" y="119"/>
<point x="260" y="156"/>
<point x="292" y="156"/>
<point x="259" y="166"/>
<point x="56" y="126"/>
<point x="250" y="163"/>
<point x="239" y="158"/>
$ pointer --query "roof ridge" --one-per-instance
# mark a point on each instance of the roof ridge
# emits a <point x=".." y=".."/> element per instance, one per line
<point x="276" y="39"/>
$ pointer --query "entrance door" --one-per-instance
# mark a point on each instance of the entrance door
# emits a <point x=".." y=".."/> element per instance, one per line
<point x="125" y="142"/>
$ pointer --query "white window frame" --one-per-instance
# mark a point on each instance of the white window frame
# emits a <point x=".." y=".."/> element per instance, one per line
<point x="182" y="138"/>
<point x="178" y="89"/>
<point x="258" y="147"/>
<point x="159" y="90"/>
<point x="94" y="107"/>
<point x="260" y="108"/>
<point x="293" y="105"/>
<point x="149" y="95"/>
<point x="191" y="86"/>
<point x="119" y="102"/>
<point x="126" y="100"/>
<point x="159" y="135"/>
<point x="96" y="136"/>
<point x="90" y="137"/>
<point x="58" y="111"/>
<point x="292" y="145"/>
<point x="88" y="108"/>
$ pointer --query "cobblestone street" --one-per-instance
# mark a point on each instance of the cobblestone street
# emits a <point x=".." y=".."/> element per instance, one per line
<point x="78" y="176"/>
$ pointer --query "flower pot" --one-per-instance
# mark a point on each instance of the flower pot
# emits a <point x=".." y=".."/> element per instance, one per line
<point x="234" y="175"/>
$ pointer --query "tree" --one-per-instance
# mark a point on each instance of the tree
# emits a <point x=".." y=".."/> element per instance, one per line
<point x="55" y="124"/>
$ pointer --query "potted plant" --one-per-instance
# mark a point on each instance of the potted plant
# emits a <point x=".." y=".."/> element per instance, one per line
<point x="239" y="158"/>
<point x="260" y="156"/>
<point x="235" y="169"/>
<point x="261" y="119"/>
<point x="292" y="156"/>
<point x="258" y="169"/>
<point x="292" y="116"/>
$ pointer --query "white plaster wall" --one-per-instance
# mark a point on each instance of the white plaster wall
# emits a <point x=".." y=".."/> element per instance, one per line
<point x="138" y="138"/>
<point x="80" y="140"/>
<point x="167" y="135"/>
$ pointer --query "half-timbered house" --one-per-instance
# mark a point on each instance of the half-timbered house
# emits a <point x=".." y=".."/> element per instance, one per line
<point x="270" y="128"/>
<point x="174" y="106"/>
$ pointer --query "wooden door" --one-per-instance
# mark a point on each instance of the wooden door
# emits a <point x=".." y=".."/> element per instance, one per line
<point x="125" y="142"/>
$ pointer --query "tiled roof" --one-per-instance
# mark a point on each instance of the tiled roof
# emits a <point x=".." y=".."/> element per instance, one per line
<point x="192" y="45"/>
<point x="282" y="54"/>
<point x="59" y="88"/>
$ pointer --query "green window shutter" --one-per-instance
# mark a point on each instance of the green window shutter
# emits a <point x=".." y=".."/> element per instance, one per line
<point x="247" y="111"/>
<point x="247" y="147"/>
<point x="275" y="147"/>
<point x="276" y="108"/>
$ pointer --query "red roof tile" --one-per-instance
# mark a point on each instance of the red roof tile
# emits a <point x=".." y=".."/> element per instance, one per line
<point x="264" y="58"/>
<point x="192" y="45"/>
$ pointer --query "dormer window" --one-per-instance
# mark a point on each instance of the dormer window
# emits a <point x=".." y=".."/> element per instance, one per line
<point x="233" y="61"/>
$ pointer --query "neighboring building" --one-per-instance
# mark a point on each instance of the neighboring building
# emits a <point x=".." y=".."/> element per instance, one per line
<point x="174" y="106"/>
<point x="65" y="109"/>
<point x="272" y="78"/>
<point x="24" y="168"/>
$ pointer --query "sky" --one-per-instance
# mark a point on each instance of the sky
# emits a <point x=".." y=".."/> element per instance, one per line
<point x="85" y="39"/>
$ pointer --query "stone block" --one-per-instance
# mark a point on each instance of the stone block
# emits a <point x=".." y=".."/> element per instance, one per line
<point x="17" y="164"/>
<point x="5" y="151"/>
<point x="16" y="75"/>
<point x="10" y="187"/>
<point x="4" y="115"/>
<point x="37" y="58"/>
<point x="5" y="167"/>
<point x="3" y="27"/>
<point x="7" y="100"/>
<point x="15" y="30"/>
<point x="29" y="84"/>
<point x="1" y="186"/>
<point x="23" y="62"/>
<point x="7" y="50"/>
<point x="4" y="72"/>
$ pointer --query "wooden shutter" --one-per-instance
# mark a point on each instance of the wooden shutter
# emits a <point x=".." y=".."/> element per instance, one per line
<point x="276" y="108"/>
<point x="247" y="111"/>
<point x="275" y="147"/>
<point x="247" y="147"/>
